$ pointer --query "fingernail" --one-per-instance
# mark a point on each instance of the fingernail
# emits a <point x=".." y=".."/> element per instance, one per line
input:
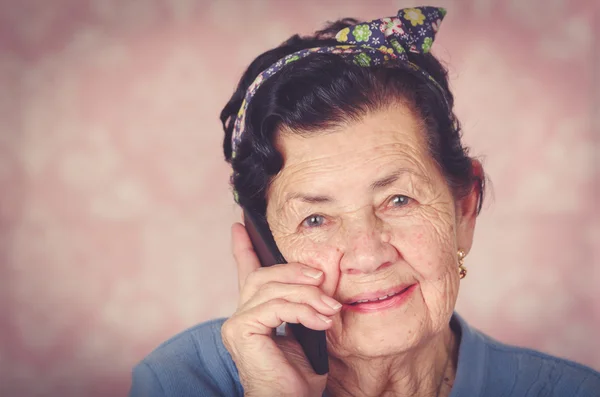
<point x="312" y="273"/>
<point x="327" y="320"/>
<point x="332" y="303"/>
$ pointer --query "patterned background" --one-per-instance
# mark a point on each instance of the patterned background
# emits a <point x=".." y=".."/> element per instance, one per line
<point x="115" y="208"/>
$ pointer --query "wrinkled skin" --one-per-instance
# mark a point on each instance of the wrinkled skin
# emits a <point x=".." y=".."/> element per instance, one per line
<point x="367" y="238"/>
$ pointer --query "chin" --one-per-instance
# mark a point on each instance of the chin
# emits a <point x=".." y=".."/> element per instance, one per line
<point x="379" y="333"/>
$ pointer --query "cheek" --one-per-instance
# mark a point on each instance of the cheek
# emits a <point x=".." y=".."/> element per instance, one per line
<point x="427" y="249"/>
<point x="431" y="256"/>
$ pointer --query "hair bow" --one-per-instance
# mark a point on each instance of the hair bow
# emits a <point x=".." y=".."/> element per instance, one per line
<point x="413" y="29"/>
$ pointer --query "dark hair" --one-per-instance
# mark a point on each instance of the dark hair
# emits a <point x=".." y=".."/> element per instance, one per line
<point x="324" y="90"/>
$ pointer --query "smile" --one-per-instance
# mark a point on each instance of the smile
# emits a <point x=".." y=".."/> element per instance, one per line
<point x="381" y="300"/>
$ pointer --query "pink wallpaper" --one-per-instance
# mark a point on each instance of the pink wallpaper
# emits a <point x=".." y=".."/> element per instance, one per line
<point x="115" y="209"/>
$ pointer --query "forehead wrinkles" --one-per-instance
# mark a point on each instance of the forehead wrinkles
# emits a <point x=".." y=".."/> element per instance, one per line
<point x="372" y="162"/>
<point x="392" y="135"/>
<point x="344" y="155"/>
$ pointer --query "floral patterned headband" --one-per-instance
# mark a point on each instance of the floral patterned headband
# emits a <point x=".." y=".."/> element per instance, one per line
<point x="380" y="41"/>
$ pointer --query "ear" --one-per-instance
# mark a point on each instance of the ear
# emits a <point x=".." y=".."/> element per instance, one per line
<point x="467" y="208"/>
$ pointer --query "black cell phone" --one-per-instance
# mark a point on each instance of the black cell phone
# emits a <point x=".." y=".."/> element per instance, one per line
<point x="313" y="342"/>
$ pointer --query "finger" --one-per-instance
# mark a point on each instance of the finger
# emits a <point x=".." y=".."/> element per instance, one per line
<point x="243" y="253"/>
<point x="287" y="273"/>
<point x="305" y="294"/>
<point x="264" y="318"/>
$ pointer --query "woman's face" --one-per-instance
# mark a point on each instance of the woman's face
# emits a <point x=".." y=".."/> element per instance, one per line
<point x="368" y="206"/>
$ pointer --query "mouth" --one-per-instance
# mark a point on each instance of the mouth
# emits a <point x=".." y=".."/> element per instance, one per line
<point x="380" y="300"/>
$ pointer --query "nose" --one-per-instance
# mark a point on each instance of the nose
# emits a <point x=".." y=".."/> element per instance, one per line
<point x="367" y="246"/>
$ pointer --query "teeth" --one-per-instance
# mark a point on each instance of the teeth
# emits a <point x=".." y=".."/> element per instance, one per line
<point x="376" y="299"/>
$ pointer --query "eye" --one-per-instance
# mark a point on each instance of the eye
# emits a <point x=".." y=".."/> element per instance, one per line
<point x="313" y="221"/>
<point x="399" y="200"/>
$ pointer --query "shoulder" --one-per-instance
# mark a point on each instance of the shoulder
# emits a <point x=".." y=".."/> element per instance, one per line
<point x="194" y="362"/>
<point x="530" y="372"/>
<point x="527" y="370"/>
<point x="487" y="367"/>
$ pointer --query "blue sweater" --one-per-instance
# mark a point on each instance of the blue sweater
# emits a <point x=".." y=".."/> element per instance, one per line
<point x="195" y="363"/>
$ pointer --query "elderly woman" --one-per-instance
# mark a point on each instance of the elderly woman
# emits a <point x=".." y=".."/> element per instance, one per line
<point x="347" y="143"/>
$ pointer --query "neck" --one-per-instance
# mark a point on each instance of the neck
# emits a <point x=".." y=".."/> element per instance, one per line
<point x="426" y="370"/>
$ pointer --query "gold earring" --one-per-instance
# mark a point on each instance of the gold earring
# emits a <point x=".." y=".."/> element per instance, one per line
<point x="462" y="270"/>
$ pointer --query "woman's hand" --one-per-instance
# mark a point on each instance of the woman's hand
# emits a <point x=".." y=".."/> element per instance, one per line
<point x="271" y="365"/>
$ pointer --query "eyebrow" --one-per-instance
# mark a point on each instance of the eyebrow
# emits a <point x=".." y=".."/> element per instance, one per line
<point x="377" y="185"/>
<point x="307" y="198"/>
<point x="388" y="180"/>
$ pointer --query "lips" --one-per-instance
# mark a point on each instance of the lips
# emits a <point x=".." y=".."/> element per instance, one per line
<point x="377" y="295"/>
<point x="378" y="301"/>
